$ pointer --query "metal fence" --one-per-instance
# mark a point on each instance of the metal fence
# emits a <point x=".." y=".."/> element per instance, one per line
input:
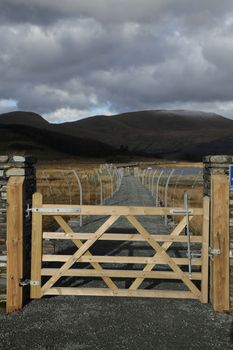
<point x="94" y="186"/>
<point x="167" y="185"/>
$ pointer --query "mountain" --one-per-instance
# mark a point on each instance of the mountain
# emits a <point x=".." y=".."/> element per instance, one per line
<point x="29" y="133"/>
<point x="172" y="134"/>
<point x="177" y="134"/>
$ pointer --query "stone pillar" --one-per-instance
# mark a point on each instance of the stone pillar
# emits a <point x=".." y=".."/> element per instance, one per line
<point x="220" y="165"/>
<point x="14" y="166"/>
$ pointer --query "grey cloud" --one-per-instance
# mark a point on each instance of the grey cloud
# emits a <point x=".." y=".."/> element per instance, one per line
<point x="126" y="55"/>
<point x="40" y="11"/>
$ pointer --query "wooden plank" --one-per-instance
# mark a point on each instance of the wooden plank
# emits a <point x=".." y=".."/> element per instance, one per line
<point x="36" y="256"/>
<point x="205" y="252"/>
<point x="68" y="231"/>
<point x="120" y="292"/>
<point x="15" y="226"/>
<point x="121" y="237"/>
<point x="117" y="210"/>
<point x="118" y="273"/>
<point x="120" y="259"/>
<point x="176" y="232"/>
<point x="160" y="250"/>
<point x="80" y="252"/>
<point x="220" y="240"/>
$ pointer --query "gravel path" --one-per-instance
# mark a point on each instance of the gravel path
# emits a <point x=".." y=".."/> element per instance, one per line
<point x="117" y="323"/>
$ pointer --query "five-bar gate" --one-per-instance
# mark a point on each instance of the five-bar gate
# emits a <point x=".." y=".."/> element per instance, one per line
<point x="48" y="271"/>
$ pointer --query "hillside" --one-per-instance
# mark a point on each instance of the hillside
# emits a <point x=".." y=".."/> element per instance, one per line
<point x="29" y="133"/>
<point x="172" y="134"/>
<point x="167" y="134"/>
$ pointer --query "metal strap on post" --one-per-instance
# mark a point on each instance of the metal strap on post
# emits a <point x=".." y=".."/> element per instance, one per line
<point x="52" y="210"/>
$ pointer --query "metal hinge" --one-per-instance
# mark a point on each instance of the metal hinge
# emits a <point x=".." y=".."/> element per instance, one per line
<point x="26" y="282"/>
<point x="52" y="210"/>
<point x="214" y="251"/>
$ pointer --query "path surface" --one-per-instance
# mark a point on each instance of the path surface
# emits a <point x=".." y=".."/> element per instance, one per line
<point x="132" y="193"/>
<point x="117" y="323"/>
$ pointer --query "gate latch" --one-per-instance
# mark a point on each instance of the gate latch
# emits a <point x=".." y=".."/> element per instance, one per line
<point x="26" y="282"/>
<point x="214" y="251"/>
<point x="195" y="254"/>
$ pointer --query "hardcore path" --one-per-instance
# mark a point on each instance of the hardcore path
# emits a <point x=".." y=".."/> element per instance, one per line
<point x="131" y="193"/>
<point x="117" y="323"/>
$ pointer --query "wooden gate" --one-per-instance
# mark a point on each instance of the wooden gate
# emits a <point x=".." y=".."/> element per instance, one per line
<point x="48" y="271"/>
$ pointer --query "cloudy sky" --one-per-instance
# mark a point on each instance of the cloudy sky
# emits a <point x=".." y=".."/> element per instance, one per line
<point x="70" y="59"/>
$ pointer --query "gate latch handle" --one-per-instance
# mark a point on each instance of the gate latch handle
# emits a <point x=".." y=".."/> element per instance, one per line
<point x="26" y="282"/>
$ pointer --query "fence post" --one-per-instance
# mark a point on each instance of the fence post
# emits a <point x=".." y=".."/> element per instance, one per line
<point x="216" y="186"/>
<point x="157" y="190"/>
<point x="111" y="180"/>
<point x="15" y="231"/>
<point x="165" y="194"/>
<point x="152" y="182"/>
<point x="219" y="239"/>
<point x="205" y="251"/>
<point x="80" y="195"/>
<point x="101" y="186"/>
<point x="143" y="176"/>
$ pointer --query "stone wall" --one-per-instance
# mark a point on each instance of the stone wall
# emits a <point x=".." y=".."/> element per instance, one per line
<point x="14" y="166"/>
<point x="220" y="165"/>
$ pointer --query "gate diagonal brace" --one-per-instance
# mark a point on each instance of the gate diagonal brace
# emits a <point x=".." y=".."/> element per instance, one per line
<point x="80" y="252"/>
<point x="68" y="230"/>
<point x="176" y="232"/>
<point x="159" y="250"/>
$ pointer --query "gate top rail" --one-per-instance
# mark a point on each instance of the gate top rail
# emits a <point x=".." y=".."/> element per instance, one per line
<point x="74" y="210"/>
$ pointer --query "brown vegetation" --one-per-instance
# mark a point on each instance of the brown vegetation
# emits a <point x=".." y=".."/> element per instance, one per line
<point x="179" y="184"/>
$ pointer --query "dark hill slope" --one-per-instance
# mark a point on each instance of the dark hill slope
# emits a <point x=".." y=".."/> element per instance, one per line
<point x="164" y="133"/>
<point x="169" y="134"/>
<point x="24" y="118"/>
<point x="29" y="133"/>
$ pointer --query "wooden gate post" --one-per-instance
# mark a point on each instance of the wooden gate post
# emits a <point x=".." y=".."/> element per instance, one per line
<point x="219" y="242"/>
<point x="15" y="229"/>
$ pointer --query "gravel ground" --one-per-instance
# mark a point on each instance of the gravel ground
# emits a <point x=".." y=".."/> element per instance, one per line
<point x="117" y="323"/>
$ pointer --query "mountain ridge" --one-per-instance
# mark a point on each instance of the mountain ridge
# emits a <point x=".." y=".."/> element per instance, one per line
<point x="173" y="134"/>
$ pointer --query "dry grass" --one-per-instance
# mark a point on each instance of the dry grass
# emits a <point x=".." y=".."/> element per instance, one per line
<point x="195" y="196"/>
<point x="58" y="185"/>
<point x="61" y="186"/>
<point x="179" y="184"/>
